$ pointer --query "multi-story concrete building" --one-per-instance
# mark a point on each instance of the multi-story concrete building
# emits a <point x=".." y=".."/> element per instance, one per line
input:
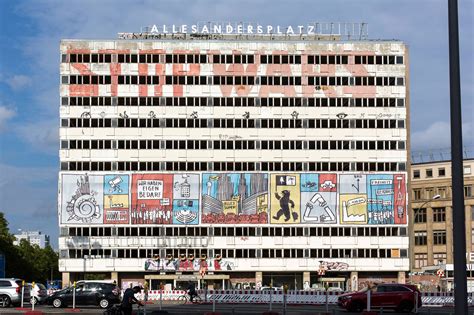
<point x="241" y="160"/>
<point x="432" y="220"/>
<point x="34" y="237"/>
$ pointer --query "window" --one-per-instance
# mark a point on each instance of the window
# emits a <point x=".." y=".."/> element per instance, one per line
<point x="442" y="192"/>
<point x="421" y="260"/>
<point x="441" y="172"/>
<point x="439" y="237"/>
<point x="416" y="194"/>
<point x="468" y="191"/>
<point x="439" y="258"/>
<point x="420" y="215"/>
<point x="429" y="173"/>
<point x="429" y="193"/>
<point x="416" y="173"/>
<point x="439" y="214"/>
<point x="421" y="238"/>
<point x="467" y="170"/>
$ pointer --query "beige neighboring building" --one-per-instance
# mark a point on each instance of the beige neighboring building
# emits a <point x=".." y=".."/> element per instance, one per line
<point x="431" y="232"/>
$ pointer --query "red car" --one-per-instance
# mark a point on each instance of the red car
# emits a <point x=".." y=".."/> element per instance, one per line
<point x="401" y="297"/>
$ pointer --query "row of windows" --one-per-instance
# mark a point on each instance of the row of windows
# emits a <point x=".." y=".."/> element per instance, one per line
<point x="229" y="59"/>
<point x="356" y="81"/>
<point x="233" y="166"/>
<point x="319" y="82"/>
<point x="444" y="192"/>
<point x="232" y="144"/>
<point x="239" y="253"/>
<point x="439" y="237"/>
<point x="231" y="123"/>
<point x="234" y="101"/>
<point x="234" y="231"/>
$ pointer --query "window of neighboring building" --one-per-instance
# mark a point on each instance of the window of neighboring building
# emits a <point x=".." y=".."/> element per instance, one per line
<point x="439" y="237"/>
<point x="420" y="215"/>
<point x="416" y="194"/>
<point x="429" y="172"/>
<point x="442" y="192"/>
<point x="421" y="260"/>
<point x="468" y="191"/>
<point x="467" y="170"/>
<point x="439" y="258"/>
<point x="416" y="174"/>
<point x="429" y="193"/>
<point x="439" y="214"/>
<point x="421" y="238"/>
<point x="441" y="172"/>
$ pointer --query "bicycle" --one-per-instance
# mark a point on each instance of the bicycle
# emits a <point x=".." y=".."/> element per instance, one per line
<point x="185" y="298"/>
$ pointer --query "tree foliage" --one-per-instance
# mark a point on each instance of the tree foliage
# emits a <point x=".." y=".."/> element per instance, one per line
<point x="26" y="261"/>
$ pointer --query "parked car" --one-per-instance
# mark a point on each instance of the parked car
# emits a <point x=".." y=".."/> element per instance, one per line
<point x="10" y="292"/>
<point x="401" y="297"/>
<point x="87" y="293"/>
<point x="335" y="289"/>
<point x="39" y="294"/>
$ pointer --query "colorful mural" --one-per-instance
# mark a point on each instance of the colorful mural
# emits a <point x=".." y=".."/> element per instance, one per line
<point x="233" y="198"/>
<point x="303" y="198"/>
<point x="165" y="199"/>
<point x="82" y="199"/>
<point x="116" y="199"/>
<point x="190" y="263"/>
<point x="372" y="199"/>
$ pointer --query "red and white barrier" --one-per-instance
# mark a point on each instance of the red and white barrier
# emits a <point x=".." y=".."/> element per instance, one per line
<point x="292" y="297"/>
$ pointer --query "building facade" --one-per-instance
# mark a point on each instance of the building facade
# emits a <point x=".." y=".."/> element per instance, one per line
<point x="241" y="161"/>
<point x="432" y="222"/>
<point x="33" y="237"/>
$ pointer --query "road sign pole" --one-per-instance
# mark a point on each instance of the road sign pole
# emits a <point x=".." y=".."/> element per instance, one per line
<point x="22" y="292"/>
<point x="74" y="295"/>
<point x="369" y="293"/>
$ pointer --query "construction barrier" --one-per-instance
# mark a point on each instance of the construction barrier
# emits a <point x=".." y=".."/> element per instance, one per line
<point x="292" y="297"/>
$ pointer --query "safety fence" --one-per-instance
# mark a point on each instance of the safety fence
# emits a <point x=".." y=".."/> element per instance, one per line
<point x="292" y="297"/>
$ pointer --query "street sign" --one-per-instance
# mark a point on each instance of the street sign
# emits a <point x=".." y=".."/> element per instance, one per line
<point x="2" y="266"/>
<point x="440" y="273"/>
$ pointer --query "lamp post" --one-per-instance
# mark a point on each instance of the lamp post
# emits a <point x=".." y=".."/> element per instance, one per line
<point x="435" y="197"/>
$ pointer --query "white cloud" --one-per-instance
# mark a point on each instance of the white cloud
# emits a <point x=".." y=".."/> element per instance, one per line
<point x="18" y="81"/>
<point x="438" y="136"/>
<point x="42" y="135"/>
<point x="5" y="114"/>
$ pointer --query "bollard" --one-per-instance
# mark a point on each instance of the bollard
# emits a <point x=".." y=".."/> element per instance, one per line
<point x="74" y="295"/>
<point x="32" y="298"/>
<point x="22" y="292"/>
<point x="271" y="292"/>
<point x="416" y="302"/>
<point x="327" y="301"/>
<point x="161" y="299"/>
<point x="284" y="304"/>
<point x="213" y="302"/>
<point x="368" y="299"/>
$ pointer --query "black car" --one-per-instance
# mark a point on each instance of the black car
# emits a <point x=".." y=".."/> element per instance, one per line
<point x="87" y="293"/>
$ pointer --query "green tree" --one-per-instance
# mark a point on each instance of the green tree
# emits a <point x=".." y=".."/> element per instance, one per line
<point x="26" y="261"/>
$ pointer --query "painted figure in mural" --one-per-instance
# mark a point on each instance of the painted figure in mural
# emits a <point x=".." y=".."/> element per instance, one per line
<point x="217" y="262"/>
<point x="285" y="201"/>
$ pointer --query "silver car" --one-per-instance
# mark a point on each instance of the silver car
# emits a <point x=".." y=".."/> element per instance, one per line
<point x="39" y="294"/>
<point x="10" y="292"/>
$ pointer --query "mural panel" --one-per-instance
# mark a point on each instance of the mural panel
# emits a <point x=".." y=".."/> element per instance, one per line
<point x="372" y="199"/>
<point x="285" y="197"/>
<point x="82" y="199"/>
<point x="235" y="198"/>
<point x="116" y="199"/>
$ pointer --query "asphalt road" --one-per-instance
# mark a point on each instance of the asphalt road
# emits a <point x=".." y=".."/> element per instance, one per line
<point x="226" y="309"/>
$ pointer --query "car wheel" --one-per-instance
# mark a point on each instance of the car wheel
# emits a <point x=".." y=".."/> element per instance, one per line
<point x="405" y="307"/>
<point x="356" y="306"/>
<point x="5" y="301"/>
<point x="57" y="303"/>
<point x="104" y="303"/>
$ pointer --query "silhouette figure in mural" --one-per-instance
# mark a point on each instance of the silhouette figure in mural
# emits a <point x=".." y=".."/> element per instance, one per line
<point x="285" y="201"/>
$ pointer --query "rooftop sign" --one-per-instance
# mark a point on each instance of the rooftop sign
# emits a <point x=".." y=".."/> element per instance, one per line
<point x="347" y="30"/>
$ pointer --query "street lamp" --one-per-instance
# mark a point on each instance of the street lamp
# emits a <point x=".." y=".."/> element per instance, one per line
<point x="435" y="197"/>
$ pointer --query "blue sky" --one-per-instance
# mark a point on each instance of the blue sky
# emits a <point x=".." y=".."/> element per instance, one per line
<point x="30" y="32"/>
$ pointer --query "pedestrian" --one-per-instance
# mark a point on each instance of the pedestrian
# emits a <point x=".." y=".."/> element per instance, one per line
<point x="129" y="299"/>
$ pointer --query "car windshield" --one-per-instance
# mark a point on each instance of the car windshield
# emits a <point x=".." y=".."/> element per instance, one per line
<point x="41" y="286"/>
